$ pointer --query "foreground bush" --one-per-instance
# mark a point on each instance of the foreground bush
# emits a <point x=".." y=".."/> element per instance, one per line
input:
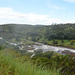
<point x="10" y="65"/>
<point x="66" y="63"/>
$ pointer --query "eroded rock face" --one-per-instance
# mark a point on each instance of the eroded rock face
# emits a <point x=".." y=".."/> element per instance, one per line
<point x="68" y="52"/>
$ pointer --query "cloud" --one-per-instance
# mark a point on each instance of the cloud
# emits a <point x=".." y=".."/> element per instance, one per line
<point x="56" y="7"/>
<point x="71" y="1"/>
<point x="69" y="21"/>
<point x="8" y="15"/>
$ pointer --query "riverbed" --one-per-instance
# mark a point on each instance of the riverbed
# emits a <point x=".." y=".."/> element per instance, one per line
<point x="51" y="48"/>
<point x="44" y="47"/>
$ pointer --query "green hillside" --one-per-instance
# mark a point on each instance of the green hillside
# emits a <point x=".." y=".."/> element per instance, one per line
<point x="60" y="31"/>
<point x="59" y="35"/>
<point x="14" y="61"/>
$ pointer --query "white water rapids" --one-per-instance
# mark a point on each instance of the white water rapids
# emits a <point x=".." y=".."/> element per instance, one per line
<point x="50" y="48"/>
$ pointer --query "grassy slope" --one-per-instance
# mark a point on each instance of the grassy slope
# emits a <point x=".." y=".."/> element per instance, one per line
<point x="11" y="63"/>
<point x="65" y="43"/>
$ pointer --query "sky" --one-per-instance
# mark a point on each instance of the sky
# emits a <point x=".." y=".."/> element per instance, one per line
<point x="34" y="12"/>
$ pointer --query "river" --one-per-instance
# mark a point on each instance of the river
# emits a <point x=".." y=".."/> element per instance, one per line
<point x="45" y="48"/>
<point x="51" y="48"/>
<point x="42" y="46"/>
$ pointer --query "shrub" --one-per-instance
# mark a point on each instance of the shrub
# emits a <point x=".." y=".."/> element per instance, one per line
<point x="55" y="42"/>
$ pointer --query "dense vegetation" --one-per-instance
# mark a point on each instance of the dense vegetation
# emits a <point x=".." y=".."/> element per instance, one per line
<point x="18" y="62"/>
<point x="60" y="31"/>
<point x="60" y="34"/>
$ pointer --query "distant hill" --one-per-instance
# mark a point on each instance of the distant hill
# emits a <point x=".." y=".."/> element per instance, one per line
<point x="37" y="32"/>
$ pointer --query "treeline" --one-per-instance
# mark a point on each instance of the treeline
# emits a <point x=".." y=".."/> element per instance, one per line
<point x="37" y="32"/>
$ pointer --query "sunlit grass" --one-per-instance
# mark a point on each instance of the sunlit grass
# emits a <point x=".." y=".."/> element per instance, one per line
<point x="65" y="43"/>
<point x="12" y="65"/>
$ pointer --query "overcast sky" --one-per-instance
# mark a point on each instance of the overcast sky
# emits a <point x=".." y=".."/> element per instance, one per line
<point x="37" y="11"/>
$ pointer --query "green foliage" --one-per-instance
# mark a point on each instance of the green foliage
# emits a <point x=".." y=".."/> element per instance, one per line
<point x="55" y="42"/>
<point x="48" y="54"/>
<point x="35" y="33"/>
<point x="66" y="63"/>
<point x="17" y="62"/>
<point x="49" y="60"/>
<point x="63" y="43"/>
<point x="1" y="47"/>
<point x="38" y="52"/>
<point x="9" y="65"/>
<point x="40" y="33"/>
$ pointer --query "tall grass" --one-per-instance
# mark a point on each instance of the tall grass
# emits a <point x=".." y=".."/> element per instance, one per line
<point x="11" y="66"/>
